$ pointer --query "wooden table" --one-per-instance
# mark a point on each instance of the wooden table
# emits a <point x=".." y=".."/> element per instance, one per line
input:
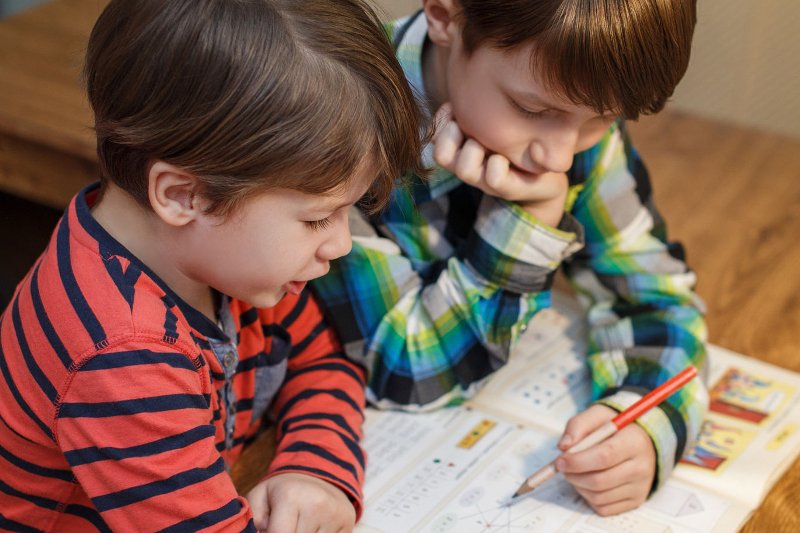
<point x="732" y="195"/>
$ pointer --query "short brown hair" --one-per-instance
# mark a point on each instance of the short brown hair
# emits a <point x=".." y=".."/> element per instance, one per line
<point x="625" y="56"/>
<point x="249" y="95"/>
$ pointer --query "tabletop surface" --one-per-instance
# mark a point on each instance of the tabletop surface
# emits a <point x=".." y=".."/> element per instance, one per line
<point x="730" y="194"/>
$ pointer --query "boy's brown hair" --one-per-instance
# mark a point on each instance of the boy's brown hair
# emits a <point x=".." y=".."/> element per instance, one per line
<point x="249" y="95"/>
<point x="624" y="56"/>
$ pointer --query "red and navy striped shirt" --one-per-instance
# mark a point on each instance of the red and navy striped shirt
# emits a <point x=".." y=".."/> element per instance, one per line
<point x="122" y="408"/>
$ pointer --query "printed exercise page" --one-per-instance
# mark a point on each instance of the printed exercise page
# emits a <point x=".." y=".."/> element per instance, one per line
<point x="417" y="461"/>
<point x="480" y="506"/>
<point x="752" y="431"/>
<point x="546" y="380"/>
<point x="546" y="390"/>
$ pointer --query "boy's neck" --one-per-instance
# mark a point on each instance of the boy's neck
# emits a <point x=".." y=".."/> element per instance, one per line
<point x="434" y="74"/>
<point x="153" y="243"/>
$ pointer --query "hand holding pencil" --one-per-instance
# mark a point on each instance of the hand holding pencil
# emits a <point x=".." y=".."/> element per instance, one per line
<point x="607" y="430"/>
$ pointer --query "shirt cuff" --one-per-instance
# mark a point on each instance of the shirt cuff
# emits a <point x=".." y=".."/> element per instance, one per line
<point x="513" y="250"/>
<point x="657" y="425"/>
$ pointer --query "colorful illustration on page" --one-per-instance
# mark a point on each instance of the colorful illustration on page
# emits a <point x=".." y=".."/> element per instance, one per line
<point x="717" y="446"/>
<point x="748" y="397"/>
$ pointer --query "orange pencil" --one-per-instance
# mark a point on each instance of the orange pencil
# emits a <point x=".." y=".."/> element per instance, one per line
<point x="647" y="402"/>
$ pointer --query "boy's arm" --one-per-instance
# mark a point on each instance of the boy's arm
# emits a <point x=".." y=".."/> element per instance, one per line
<point x="134" y="426"/>
<point x="428" y="320"/>
<point x="646" y="322"/>
<point x="319" y="409"/>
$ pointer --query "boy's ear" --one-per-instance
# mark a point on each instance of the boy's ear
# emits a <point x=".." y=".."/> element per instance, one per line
<point x="173" y="194"/>
<point x="442" y="27"/>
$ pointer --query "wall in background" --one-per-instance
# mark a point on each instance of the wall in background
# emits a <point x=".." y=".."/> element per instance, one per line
<point x="8" y="7"/>
<point x="745" y="65"/>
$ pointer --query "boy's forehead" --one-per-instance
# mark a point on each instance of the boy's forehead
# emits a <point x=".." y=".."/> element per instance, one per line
<point x="351" y="190"/>
<point x="523" y="72"/>
<point x="525" y="75"/>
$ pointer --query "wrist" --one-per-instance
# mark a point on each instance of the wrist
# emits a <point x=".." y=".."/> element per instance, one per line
<point x="549" y="215"/>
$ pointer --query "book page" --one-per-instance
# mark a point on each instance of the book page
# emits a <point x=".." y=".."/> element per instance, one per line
<point x="546" y="391"/>
<point x="752" y="431"/>
<point x="464" y="483"/>
<point x="417" y="460"/>
<point x="455" y="469"/>
<point x="546" y="380"/>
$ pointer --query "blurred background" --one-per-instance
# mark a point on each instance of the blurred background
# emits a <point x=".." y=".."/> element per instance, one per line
<point x="745" y="65"/>
<point x="744" y="71"/>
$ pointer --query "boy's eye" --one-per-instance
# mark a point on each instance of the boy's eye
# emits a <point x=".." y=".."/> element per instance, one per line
<point x="318" y="225"/>
<point x="527" y="112"/>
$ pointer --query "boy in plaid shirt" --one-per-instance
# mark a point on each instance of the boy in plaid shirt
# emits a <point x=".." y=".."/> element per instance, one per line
<point x="535" y="172"/>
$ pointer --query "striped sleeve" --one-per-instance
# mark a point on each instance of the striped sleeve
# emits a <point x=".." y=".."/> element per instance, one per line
<point x="319" y="408"/>
<point x="145" y="454"/>
<point x="646" y="321"/>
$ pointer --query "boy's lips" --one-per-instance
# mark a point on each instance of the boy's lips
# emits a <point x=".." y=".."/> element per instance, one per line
<point x="526" y="173"/>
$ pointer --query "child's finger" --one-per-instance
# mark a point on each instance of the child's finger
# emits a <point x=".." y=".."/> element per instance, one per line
<point x="585" y="476"/>
<point x="497" y="173"/>
<point x="446" y="145"/>
<point x="617" y="507"/>
<point x="259" y="505"/>
<point x="283" y="518"/>
<point x="602" y="498"/>
<point x="469" y="164"/>
<point x="602" y="456"/>
<point x="580" y="425"/>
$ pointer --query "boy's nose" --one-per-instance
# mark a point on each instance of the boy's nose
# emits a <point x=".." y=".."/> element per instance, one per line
<point x="555" y="152"/>
<point x="339" y="243"/>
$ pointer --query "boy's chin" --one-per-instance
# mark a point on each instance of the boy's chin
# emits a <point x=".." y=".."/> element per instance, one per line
<point x="265" y="300"/>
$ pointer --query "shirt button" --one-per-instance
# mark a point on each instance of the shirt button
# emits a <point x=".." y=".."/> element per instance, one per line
<point x="228" y="359"/>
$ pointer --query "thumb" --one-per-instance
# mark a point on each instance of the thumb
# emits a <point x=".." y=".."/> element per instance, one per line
<point x="580" y="425"/>
<point x="257" y="498"/>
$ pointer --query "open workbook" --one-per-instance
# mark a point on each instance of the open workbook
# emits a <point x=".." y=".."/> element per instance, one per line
<point x="455" y="469"/>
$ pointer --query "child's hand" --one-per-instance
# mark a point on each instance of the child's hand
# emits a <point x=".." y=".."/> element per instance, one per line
<point x="543" y="195"/>
<point x="295" y="502"/>
<point x="615" y="475"/>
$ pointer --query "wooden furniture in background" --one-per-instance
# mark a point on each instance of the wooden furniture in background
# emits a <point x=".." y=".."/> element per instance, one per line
<point x="47" y="147"/>
<point x="731" y="195"/>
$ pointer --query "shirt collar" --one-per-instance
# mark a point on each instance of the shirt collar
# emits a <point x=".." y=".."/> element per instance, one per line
<point x="412" y="32"/>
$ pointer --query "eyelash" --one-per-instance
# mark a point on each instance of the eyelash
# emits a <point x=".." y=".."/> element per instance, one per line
<point x="318" y="225"/>
<point x="526" y="112"/>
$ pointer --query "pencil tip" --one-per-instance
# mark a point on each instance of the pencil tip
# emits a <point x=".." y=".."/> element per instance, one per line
<point x="524" y="489"/>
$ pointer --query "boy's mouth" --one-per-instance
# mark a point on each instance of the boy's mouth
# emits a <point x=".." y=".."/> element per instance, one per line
<point x="526" y="173"/>
<point x="295" y="287"/>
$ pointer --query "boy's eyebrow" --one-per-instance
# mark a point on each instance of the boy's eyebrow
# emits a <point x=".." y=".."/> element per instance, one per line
<point x="332" y="203"/>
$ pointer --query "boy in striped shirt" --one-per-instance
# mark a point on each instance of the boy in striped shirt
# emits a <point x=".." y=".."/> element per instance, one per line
<point x="168" y="317"/>
<point x="535" y="172"/>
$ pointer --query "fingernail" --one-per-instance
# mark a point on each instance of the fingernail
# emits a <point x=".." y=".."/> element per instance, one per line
<point x="565" y="441"/>
<point x="560" y="464"/>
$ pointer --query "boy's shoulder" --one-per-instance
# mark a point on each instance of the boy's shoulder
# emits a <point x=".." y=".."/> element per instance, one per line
<point x="86" y="292"/>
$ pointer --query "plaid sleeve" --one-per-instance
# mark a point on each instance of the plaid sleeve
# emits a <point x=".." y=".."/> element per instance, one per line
<point x="646" y="321"/>
<point x="428" y="320"/>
